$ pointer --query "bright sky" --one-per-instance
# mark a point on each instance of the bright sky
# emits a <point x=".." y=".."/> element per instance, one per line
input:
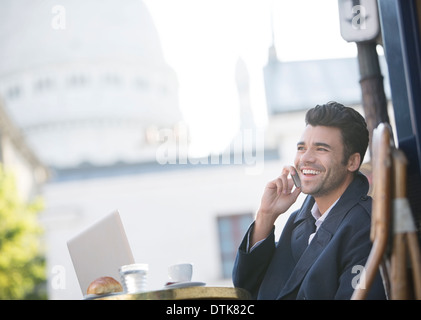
<point x="202" y="41"/>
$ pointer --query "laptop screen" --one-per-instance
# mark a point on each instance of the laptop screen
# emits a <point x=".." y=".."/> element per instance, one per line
<point x="100" y="250"/>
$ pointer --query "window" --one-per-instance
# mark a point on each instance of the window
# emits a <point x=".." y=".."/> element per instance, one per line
<point x="43" y="84"/>
<point x="77" y="80"/>
<point x="14" y="92"/>
<point x="231" y="230"/>
<point x="142" y="84"/>
<point x="112" y="79"/>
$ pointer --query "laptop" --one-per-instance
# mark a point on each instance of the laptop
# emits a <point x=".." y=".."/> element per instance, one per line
<point x="100" y="250"/>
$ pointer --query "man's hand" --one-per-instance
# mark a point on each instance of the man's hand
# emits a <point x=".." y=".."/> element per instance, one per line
<point x="277" y="199"/>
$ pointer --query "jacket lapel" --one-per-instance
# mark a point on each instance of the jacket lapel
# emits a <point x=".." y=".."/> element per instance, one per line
<point x="304" y="226"/>
<point x="300" y="237"/>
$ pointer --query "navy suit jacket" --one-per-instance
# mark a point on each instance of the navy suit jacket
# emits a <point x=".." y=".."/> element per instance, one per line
<point x="327" y="268"/>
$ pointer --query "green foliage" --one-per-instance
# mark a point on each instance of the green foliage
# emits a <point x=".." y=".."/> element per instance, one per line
<point x="22" y="266"/>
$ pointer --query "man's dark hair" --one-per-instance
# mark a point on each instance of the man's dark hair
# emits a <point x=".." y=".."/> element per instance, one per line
<point x="351" y="124"/>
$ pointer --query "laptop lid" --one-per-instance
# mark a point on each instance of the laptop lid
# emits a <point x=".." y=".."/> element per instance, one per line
<point x="100" y="250"/>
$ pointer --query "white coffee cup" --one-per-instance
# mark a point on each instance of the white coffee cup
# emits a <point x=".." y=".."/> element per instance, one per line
<point x="181" y="272"/>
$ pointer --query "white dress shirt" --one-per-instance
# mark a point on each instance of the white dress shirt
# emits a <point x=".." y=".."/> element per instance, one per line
<point x="319" y="218"/>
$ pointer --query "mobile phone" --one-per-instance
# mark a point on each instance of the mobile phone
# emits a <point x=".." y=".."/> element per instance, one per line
<point x="296" y="179"/>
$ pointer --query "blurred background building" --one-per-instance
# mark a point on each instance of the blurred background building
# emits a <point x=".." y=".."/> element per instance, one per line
<point x="95" y="109"/>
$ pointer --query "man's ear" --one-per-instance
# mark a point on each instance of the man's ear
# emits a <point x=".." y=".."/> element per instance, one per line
<point x="354" y="162"/>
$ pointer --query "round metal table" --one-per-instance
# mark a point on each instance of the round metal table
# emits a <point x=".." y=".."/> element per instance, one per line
<point x="188" y="293"/>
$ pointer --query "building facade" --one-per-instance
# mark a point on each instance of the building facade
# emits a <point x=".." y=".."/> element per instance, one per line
<point x="98" y="105"/>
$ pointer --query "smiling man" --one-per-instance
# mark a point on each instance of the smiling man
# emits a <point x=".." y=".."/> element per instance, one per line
<point x="325" y="244"/>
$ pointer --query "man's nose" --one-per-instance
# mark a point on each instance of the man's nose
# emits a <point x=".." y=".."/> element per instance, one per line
<point x="307" y="156"/>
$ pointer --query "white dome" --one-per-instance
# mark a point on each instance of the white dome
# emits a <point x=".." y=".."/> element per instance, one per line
<point x="87" y="92"/>
<point x="104" y="29"/>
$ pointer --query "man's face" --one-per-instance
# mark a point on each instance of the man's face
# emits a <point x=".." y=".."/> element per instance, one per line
<point x="319" y="160"/>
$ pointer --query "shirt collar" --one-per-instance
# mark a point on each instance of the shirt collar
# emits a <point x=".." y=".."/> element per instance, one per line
<point x="316" y="213"/>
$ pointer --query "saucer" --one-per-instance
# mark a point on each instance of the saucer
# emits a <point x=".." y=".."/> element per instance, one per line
<point x="185" y="284"/>
<point x="96" y="296"/>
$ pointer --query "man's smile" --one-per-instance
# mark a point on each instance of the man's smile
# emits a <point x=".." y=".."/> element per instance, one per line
<point x="308" y="172"/>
